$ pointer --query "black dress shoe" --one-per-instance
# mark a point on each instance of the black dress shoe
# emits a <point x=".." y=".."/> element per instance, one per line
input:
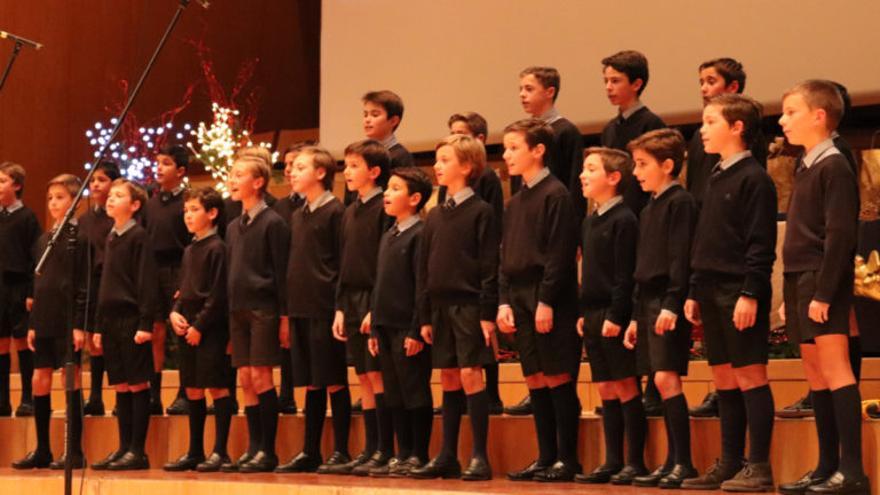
<point x="377" y="460"/>
<point x="213" y="463"/>
<point x="288" y="407"/>
<point x="651" y="479"/>
<point x="840" y="483"/>
<point x="357" y="407"/>
<point x="385" y="471"/>
<point x="34" y="460"/>
<point x="357" y="461"/>
<point x="93" y="408"/>
<point x="25" y="409"/>
<point x="78" y="461"/>
<point x="496" y="407"/>
<point x="528" y="473"/>
<point x="601" y="474"/>
<point x="402" y="468"/>
<point x="105" y="462"/>
<point x="559" y="472"/>
<point x="232" y="467"/>
<point x="301" y="463"/>
<point x="437" y="411"/>
<point x="801" y="408"/>
<point x="5" y="410"/>
<point x="524" y="408"/>
<point x="800" y="486"/>
<point x="130" y="462"/>
<point x="445" y="467"/>
<point x="653" y="408"/>
<point x="477" y="470"/>
<point x="156" y="409"/>
<point x="337" y="463"/>
<point x="180" y="407"/>
<point x="709" y="407"/>
<point x="186" y="462"/>
<point x="263" y="462"/>
<point x="678" y="474"/>
<point x="626" y="475"/>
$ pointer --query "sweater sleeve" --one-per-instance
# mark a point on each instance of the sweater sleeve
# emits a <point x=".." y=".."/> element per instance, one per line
<point x="278" y="239"/>
<point x="423" y="300"/>
<point x="682" y="217"/>
<point x="625" y="240"/>
<point x="488" y="241"/>
<point x="415" y="330"/>
<point x="341" y="247"/>
<point x="214" y="308"/>
<point x="561" y="251"/>
<point x="79" y="284"/>
<point x="148" y="288"/>
<point x="34" y="233"/>
<point x="841" y="205"/>
<point x="760" y="236"/>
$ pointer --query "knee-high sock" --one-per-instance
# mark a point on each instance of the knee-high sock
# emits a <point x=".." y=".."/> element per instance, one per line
<point x="636" y="427"/>
<point x="732" y="408"/>
<point x="759" y="406"/>
<point x="679" y="420"/>
<point x="566" y="407"/>
<point x="453" y="409"/>
<point x="26" y="369"/>
<point x="197" y="414"/>
<point x="371" y="429"/>
<point x="285" y="394"/>
<point x="545" y="425"/>
<point x="855" y="356"/>
<point x="140" y="420"/>
<point x="156" y="388"/>
<point x="492" y="381"/>
<point x="384" y="426"/>
<point x="124" y="419"/>
<point x="613" y="426"/>
<point x="96" y="379"/>
<point x="478" y="410"/>
<point x="233" y="381"/>
<point x="826" y="430"/>
<point x="42" y="414"/>
<point x="652" y="395"/>
<point x="422" y="420"/>
<point x="404" y="429"/>
<point x="255" y="428"/>
<point x="340" y="406"/>
<point x="669" y="463"/>
<point x="222" y="422"/>
<point x="848" y="416"/>
<point x="268" y="420"/>
<point x="5" y="365"/>
<point x="316" y="414"/>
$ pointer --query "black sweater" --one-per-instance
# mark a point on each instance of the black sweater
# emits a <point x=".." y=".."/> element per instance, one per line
<point x="488" y="188"/>
<point x="232" y="210"/>
<point x="257" y="262"/>
<point x="62" y="282"/>
<point x="609" y="259"/>
<point x="163" y="218"/>
<point x="666" y="228"/>
<point x="202" y="299"/>
<point x="285" y="206"/>
<point x="822" y="224"/>
<point x="96" y="226"/>
<point x="19" y="232"/>
<point x="393" y="303"/>
<point x="313" y="270"/>
<point x="400" y="157"/>
<point x="459" y="259"/>
<point x="128" y="281"/>
<point x="539" y="243"/>
<point x="361" y="229"/>
<point x="568" y="159"/>
<point x="699" y="167"/>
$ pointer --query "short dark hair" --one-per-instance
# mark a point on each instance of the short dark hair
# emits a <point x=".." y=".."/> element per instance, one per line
<point x="136" y="192"/>
<point x="322" y="158"/>
<point x="208" y="197"/>
<point x="847" y="101"/>
<point x="417" y="181"/>
<point x="16" y="173"/>
<point x="375" y="154"/>
<point x="178" y="153"/>
<point x="547" y="76"/>
<point x="741" y="108"/>
<point x="297" y="147"/>
<point x="729" y="69"/>
<point x="821" y="94"/>
<point x="535" y="132"/>
<point x="475" y="122"/>
<point x="389" y="100"/>
<point x="110" y="169"/>
<point x="662" y="144"/>
<point x="67" y="181"/>
<point x="614" y="160"/>
<point x="632" y="63"/>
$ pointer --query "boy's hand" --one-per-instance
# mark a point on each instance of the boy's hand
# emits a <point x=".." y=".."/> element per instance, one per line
<point x="580" y="326"/>
<point x="781" y="312"/>
<point x="610" y="329"/>
<point x="338" y="327"/>
<point x="373" y="346"/>
<point x="692" y="312"/>
<point x="412" y="346"/>
<point x="543" y="318"/>
<point x="745" y="312"/>
<point x="79" y="339"/>
<point x="630" y="337"/>
<point x="505" y="319"/>
<point x="193" y="336"/>
<point x="142" y="337"/>
<point x="178" y="323"/>
<point x="428" y="334"/>
<point x="96" y="340"/>
<point x="284" y="332"/>
<point x="31" y="336"/>
<point x="488" y="328"/>
<point x="665" y="322"/>
<point x="366" y="324"/>
<point x="29" y="304"/>
<point x="818" y="311"/>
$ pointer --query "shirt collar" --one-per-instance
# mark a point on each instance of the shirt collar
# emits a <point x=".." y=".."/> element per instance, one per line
<point x="462" y="196"/>
<point x="322" y="200"/>
<point x="125" y="228"/>
<point x="819" y="151"/>
<point x="551" y="115"/>
<point x="73" y="221"/>
<point x="541" y="175"/>
<point x="611" y="203"/>
<point x="209" y="233"/>
<point x="409" y="222"/>
<point x="255" y="210"/>
<point x="632" y="110"/>
<point x="15" y="206"/>
<point x="389" y="141"/>
<point x="733" y="160"/>
<point x="370" y="195"/>
<point x="663" y="191"/>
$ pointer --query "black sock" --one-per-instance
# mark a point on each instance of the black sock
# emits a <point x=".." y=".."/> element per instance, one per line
<point x="181" y="393"/>
<point x="855" y="356"/>
<point x="636" y="428"/>
<point x="255" y="428"/>
<point x="478" y="410"/>
<point x="316" y="414"/>
<point x="5" y="364"/>
<point x="42" y="414"/>
<point x="848" y="416"/>
<point x="453" y="409"/>
<point x="732" y="409"/>
<point x="340" y="406"/>
<point x="679" y="420"/>
<point x="669" y="463"/>
<point x="285" y="394"/>
<point x="268" y="420"/>
<point x="140" y="420"/>
<point x="760" y="410"/>
<point x="652" y="395"/>
<point x="371" y="426"/>
<point x="233" y="381"/>
<point x="156" y="388"/>
<point x="492" y="382"/>
<point x="384" y="426"/>
<point x="565" y="405"/>
<point x="222" y="421"/>
<point x="612" y="424"/>
<point x="123" y="419"/>
<point x="826" y="430"/>
<point x="96" y="379"/>
<point x="403" y="428"/>
<point x="545" y="425"/>
<point x="197" y="414"/>
<point x="422" y="419"/>
<point x="26" y="370"/>
<point x="75" y="399"/>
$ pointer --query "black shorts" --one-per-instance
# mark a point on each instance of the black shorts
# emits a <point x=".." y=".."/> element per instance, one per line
<point x="50" y="352"/>
<point x="667" y="352"/>
<point x="553" y="353"/>
<point x="458" y="337"/>
<point x="168" y="277"/>
<point x="724" y="343"/>
<point x="317" y="359"/>
<point x="407" y="380"/>
<point x="204" y="365"/>
<point x="254" y="336"/>
<point x="355" y="304"/>
<point x="798" y="290"/>
<point x="13" y="308"/>
<point x="609" y="359"/>
<point x="125" y="361"/>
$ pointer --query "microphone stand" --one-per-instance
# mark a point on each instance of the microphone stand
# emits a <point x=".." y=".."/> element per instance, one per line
<point x="70" y="366"/>
<point x="15" y="51"/>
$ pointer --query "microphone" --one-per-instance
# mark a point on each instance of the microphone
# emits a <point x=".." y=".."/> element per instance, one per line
<point x="204" y="3"/>
<point x="19" y="39"/>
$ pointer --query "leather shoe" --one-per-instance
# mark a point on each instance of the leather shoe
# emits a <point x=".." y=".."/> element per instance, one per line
<point x="477" y="470"/>
<point x="651" y="479"/>
<point x="105" y="462"/>
<point x="402" y="468"/>
<point x="442" y="466"/>
<point x="357" y="461"/>
<point x="93" y="408"/>
<point x="709" y="407"/>
<point x="713" y="477"/>
<point x="840" y="483"/>
<point x="180" y="407"/>
<point x="156" y="409"/>
<point x="130" y="462"/>
<point x="754" y="477"/>
<point x="558" y="472"/>
<point x="301" y="463"/>
<point x="626" y="475"/>
<point x="524" y="408"/>
<point x="801" y="408"/>
<point x="78" y="461"/>
<point x="496" y="407"/>
<point x="5" y="410"/>
<point x="186" y="462"/>
<point x="678" y="474"/>
<point x="33" y="460"/>
<point x="528" y="473"/>
<point x="377" y="460"/>
<point x="357" y="407"/>
<point x="213" y="463"/>
<point x="288" y="407"/>
<point x="601" y="474"/>
<point x="232" y="467"/>
<point x="653" y="408"/>
<point x="337" y="463"/>
<point x="385" y="471"/>
<point x="263" y="462"/>
<point x="800" y="486"/>
<point x="25" y="409"/>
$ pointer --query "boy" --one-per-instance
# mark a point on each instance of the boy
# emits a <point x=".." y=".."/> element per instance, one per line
<point x="96" y="226"/>
<point x="609" y="256"/>
<point x="383" y="111"/>
<point x="820" y="241"/>
<point x="317" y="353"/>
<point x="258" y="243"/>
<point x="393" y="322"/>
<point x="362" y="225"/>
<point x="732" y="260"/>
<point x="458" y="266"/>
<point x="59" y="287"/>
<point x="163" y="218"/>
<point x="658" y="325"/>
<point x="126" y="310"/>
<point x="200" y="316"/>
<point x="538" y="298"/>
